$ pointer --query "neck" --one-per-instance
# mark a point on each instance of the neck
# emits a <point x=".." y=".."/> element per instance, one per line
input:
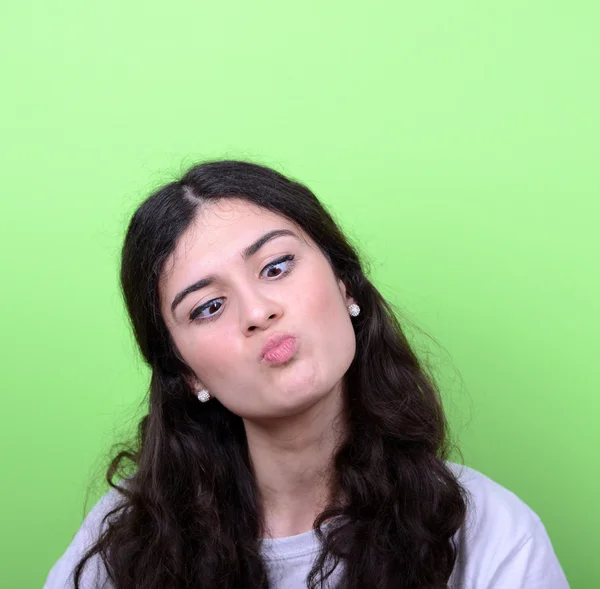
<point x="292" y="462"/>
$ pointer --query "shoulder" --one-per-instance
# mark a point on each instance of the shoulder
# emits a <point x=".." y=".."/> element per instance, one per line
<point x="94" y="524"/>
<point x="503" y="542"/>
<point x="489" y="504"/>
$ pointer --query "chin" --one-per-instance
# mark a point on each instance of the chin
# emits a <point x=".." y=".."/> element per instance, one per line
<point x="290" y="403"/>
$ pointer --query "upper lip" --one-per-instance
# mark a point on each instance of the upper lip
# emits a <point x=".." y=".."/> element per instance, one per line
<point x="273" y="342"/>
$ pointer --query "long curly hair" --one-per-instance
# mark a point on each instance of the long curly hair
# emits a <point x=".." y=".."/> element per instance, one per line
<point x="191" y="516"/>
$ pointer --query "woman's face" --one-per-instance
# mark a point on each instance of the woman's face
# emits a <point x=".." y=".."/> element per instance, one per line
<point x="284" y="286"/>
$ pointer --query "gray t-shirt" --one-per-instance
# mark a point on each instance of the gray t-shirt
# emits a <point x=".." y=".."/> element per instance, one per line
<point x="502" y="545"/>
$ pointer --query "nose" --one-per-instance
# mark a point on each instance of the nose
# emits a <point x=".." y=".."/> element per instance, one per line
<point x="258" y="312"/>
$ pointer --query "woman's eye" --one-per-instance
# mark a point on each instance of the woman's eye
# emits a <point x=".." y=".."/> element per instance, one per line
<point x="198" y="313"/>
<point x="281" y="267"/>
<point x="273" y="265"/>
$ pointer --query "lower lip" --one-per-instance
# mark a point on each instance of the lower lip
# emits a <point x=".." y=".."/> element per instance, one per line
<point x="282" y="352"/>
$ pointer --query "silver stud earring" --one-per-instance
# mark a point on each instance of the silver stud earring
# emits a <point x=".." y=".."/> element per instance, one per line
<point x="353" y="309"/>
<point x="203" y="396"/>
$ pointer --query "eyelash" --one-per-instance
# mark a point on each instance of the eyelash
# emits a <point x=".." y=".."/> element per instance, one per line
<point x="195" y="314"/>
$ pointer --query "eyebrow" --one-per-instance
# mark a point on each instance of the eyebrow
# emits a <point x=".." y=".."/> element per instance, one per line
<point x="247" y="253"/>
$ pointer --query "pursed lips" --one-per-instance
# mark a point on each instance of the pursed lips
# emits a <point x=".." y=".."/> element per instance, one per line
<point x="273" y="342"/>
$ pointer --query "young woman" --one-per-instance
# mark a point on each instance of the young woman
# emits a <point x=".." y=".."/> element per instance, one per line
<point x="292" y="439"/>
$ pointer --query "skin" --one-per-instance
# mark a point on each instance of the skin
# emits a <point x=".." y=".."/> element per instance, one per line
<point x="292" y="413"/>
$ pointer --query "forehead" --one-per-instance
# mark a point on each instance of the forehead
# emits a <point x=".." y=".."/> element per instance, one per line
<point x="219" y="232"/>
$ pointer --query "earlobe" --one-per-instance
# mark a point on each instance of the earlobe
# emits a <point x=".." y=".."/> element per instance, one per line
<point x="200" y="391"/>
<point x="347" y="297"/>
<point x="194" y="384"/>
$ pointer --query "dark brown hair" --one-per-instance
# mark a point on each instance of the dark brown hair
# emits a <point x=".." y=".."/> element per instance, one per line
<point x="190" y="516"/>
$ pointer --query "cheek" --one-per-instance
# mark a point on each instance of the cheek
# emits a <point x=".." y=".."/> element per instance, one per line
<point x="324" y="307"/>
<point x="328" y="328"/>
<point x="322" y="299"/>
<point x="210" y="354"/>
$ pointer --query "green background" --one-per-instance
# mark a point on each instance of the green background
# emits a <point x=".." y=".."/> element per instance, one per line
<point x="458" y="145"/>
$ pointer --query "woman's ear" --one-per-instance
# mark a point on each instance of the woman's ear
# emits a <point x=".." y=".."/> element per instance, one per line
<point x="191" y="380"/>
<point x="344" y="292"/>
<point x="194" y="383"/>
